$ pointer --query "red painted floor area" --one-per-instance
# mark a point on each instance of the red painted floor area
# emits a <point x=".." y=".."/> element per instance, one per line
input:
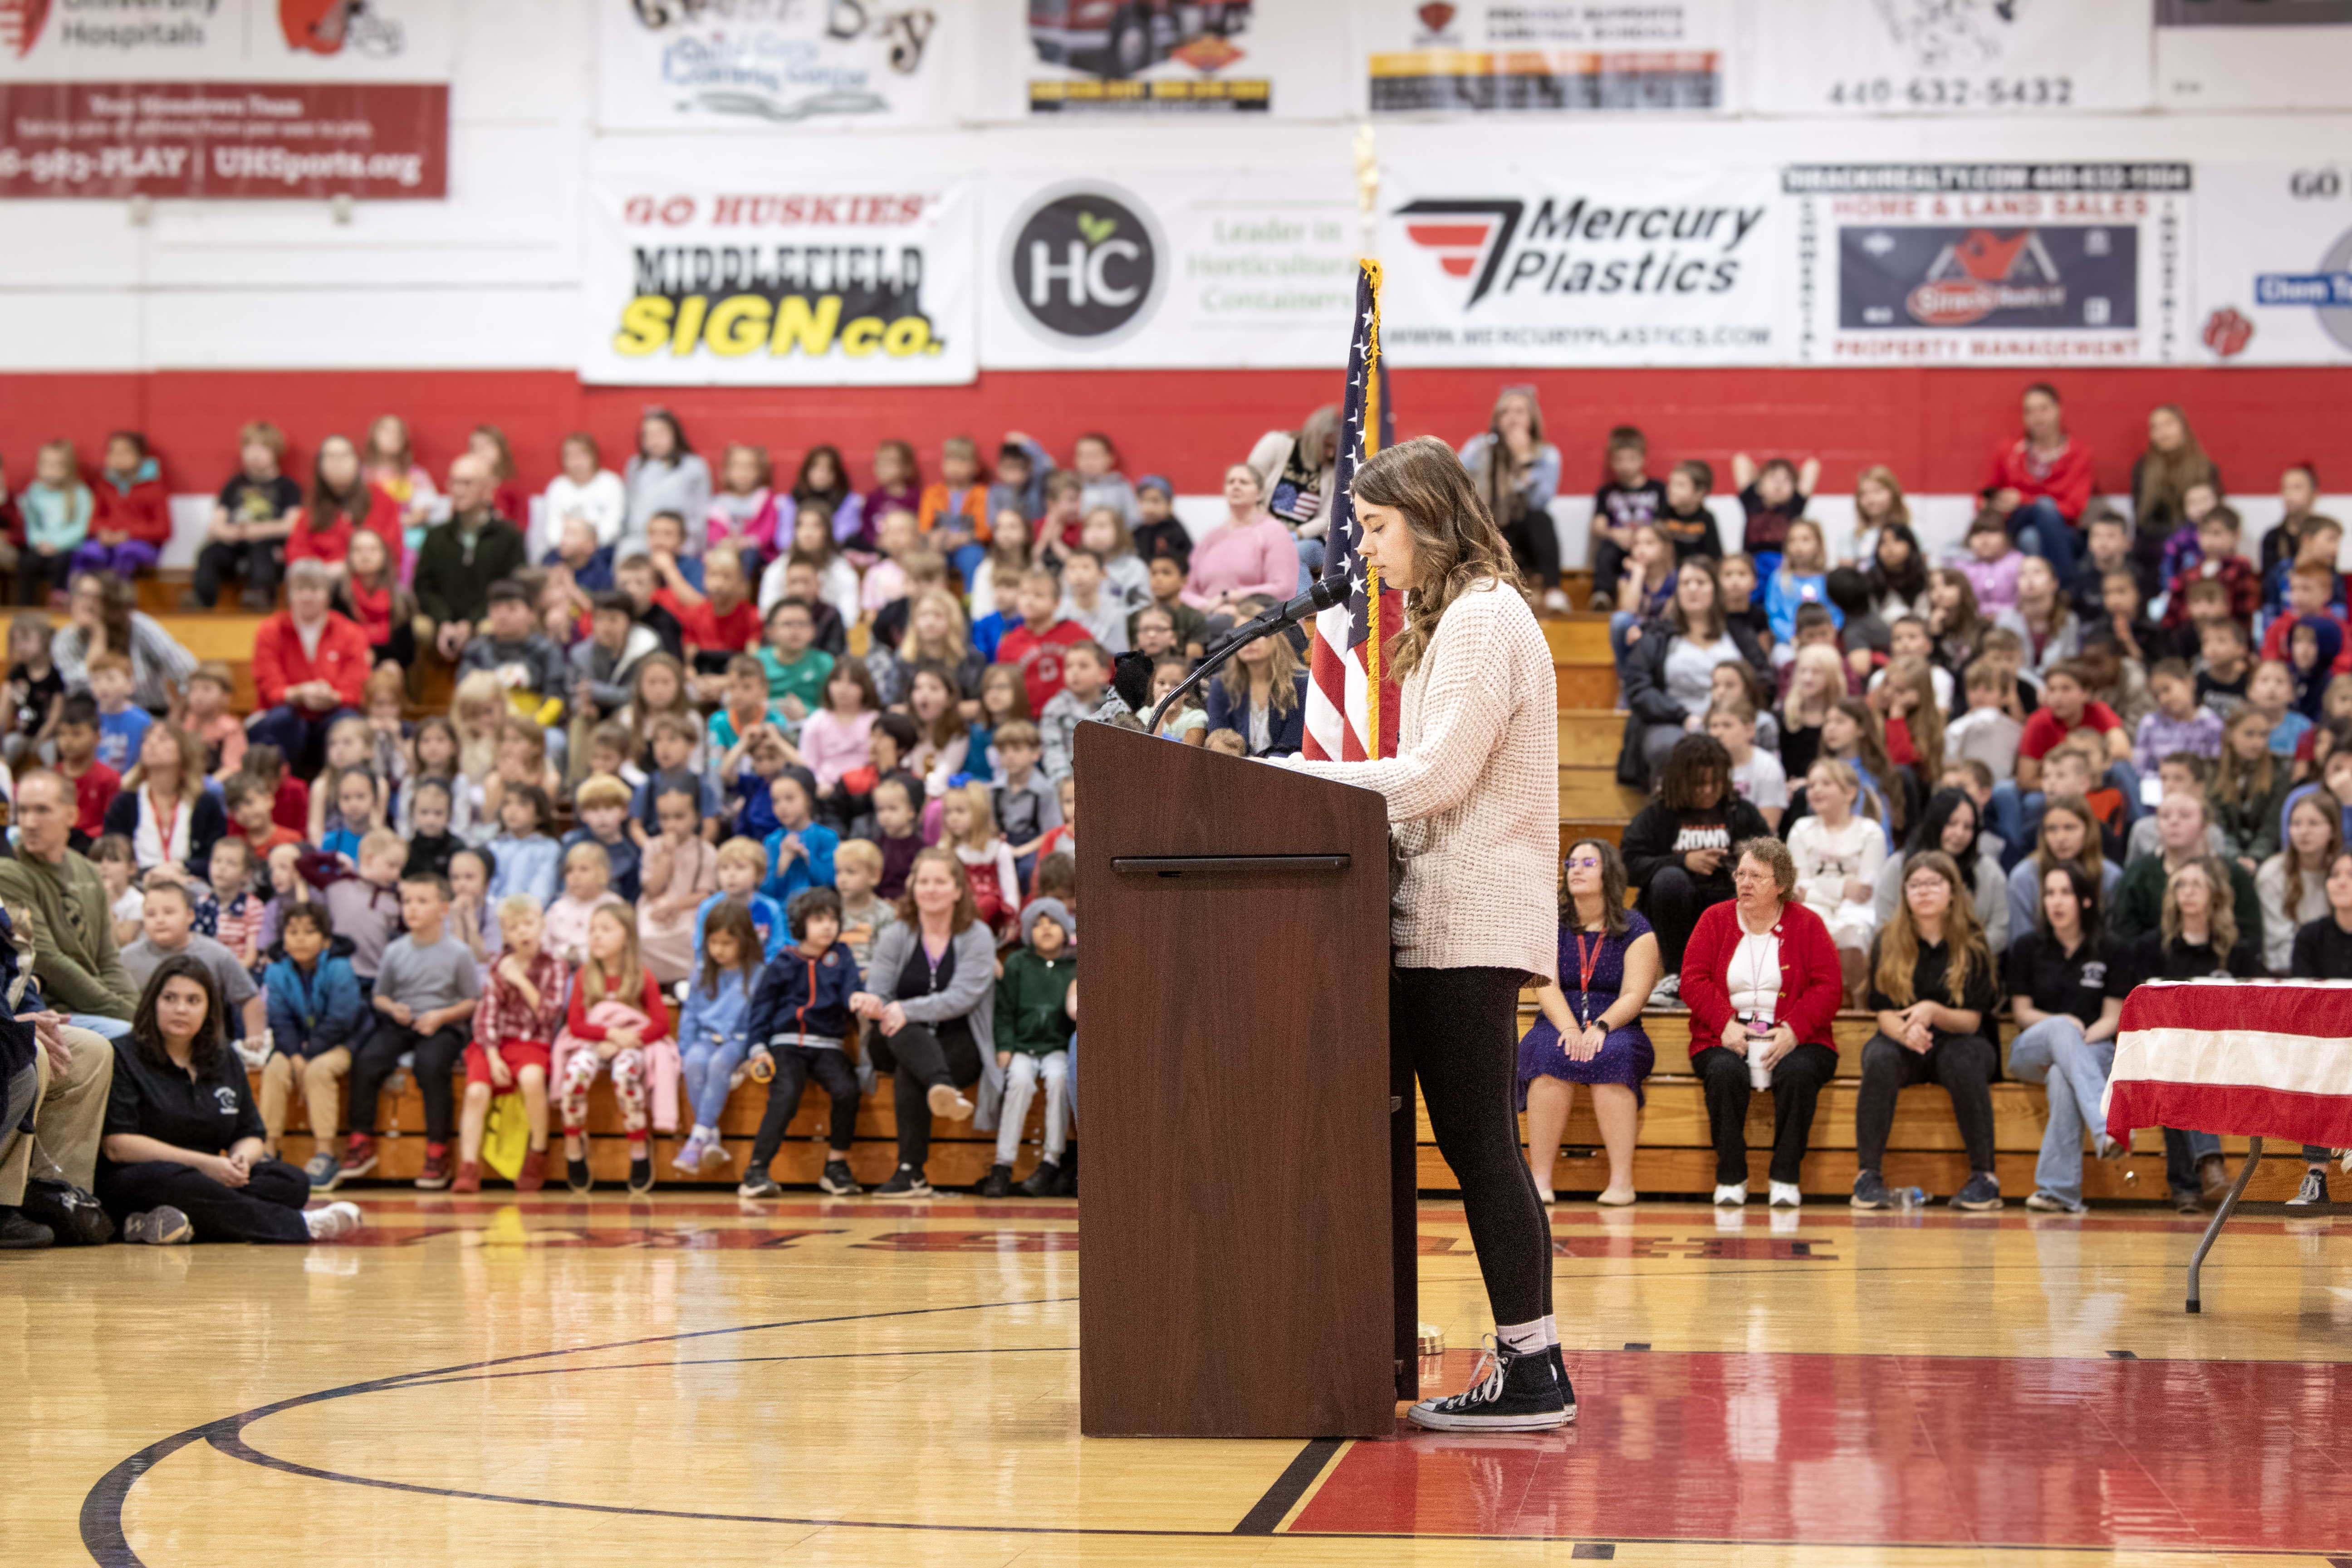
<point x="1885" y="1451"/>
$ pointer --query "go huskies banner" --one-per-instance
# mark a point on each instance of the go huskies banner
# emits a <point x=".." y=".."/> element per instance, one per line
<point x="2274" y="264"/>
<point x="1556" y="262"/>
<point x="800" y="283"/>
<point x="1991" y="264"/>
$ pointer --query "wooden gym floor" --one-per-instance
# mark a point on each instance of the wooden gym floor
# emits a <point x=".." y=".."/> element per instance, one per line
<point x="694" y="1379"/>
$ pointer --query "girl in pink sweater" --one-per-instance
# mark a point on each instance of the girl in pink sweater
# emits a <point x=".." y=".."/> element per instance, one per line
<point x="1249" y="556"/>
<point x="836" y="737"/>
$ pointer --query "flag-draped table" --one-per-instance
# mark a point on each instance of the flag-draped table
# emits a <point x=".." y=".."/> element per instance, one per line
<point x="2256" y="1058"/>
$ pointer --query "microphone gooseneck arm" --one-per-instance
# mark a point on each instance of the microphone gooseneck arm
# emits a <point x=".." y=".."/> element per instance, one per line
<point x="1326" y="592"/>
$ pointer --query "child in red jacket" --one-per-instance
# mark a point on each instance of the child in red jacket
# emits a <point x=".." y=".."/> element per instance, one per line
<point x="132" y="522"/>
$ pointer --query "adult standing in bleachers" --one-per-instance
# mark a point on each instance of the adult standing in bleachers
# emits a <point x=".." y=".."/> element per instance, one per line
<point x="666" y="475"/>
<point x="460" y="559"/>
<point x="310" y="669"/>
<point x="1669" y="676"/>
<point x="1516" y="473"/>
<point x="1473" y="802"/>
<point x="100" y="620"/>
<point x="1762" y="984"/>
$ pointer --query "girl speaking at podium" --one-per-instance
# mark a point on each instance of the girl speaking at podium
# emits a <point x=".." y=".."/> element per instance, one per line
<point x="1473" y="805"/>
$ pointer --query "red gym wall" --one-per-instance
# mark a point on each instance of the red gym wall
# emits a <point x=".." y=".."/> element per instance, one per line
<point x="1936" y="427"/>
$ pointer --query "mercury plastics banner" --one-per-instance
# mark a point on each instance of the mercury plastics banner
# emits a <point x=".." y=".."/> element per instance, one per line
<point x="800" y="283"/>
<point x="1991" y="263"/>
<point x="1542" y="264"/>
<point x="767" y="65"/>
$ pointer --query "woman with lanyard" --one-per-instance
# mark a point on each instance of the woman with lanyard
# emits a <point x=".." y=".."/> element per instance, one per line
<point x="1761" y="981"/>
<point x="181" y="1159"/>
<point x="1591" y="1034"/>
<point x="931" y="993"/>
<point x="1473" y="805"/>
<point x="99" y="619"/>
<point x="165" y="810"/>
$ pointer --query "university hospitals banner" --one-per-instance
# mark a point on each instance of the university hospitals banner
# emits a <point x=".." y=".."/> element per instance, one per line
<point x="1991" y="264"/>
<point x="1232" y="266"/>
<point x="1503" y="57"/>
<point x="2274" y="264"/>
<point x="1947" y="57"/>
<point x="1548" y="262"/>
<point x="226" y="99"/>
<point x="805" y="282"/>
<point x="771" y="65"/>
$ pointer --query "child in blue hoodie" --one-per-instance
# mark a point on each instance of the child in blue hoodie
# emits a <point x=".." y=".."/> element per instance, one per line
<point x="800" y="851"/>
<point x="710" y="1030"/>
<point x="800" y="1022"/>
<point x="315" y="1012"/>
<point x="1801" y="579"/>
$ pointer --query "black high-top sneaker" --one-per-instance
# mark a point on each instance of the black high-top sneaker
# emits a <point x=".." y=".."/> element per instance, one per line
<point x="1567" y="1389"/>
<point x="1512" y="1391"/>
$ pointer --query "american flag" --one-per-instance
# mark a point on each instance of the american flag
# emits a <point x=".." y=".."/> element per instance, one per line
<point x="1352" y="710"/>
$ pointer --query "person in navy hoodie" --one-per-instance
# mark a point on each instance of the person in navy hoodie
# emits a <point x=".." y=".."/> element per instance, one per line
<point x="798" y="1022"/>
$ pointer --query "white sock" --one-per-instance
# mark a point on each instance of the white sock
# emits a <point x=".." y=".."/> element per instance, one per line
<point x="1522" y="1337"/>
<point x="702" y="1132"/>
<point x="1551" y="1330"/>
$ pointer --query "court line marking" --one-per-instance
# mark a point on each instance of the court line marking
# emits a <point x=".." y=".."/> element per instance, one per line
<point x="1280" y="1498"/>
<point x="104" y="1538"/>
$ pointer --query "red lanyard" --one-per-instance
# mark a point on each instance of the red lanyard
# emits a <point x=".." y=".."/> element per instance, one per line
<point x="165" y="826"/>
<point x="1585" y="964"/>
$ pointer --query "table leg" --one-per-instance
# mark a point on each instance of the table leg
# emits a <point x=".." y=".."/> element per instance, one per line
<point x="2245" y="1173"/>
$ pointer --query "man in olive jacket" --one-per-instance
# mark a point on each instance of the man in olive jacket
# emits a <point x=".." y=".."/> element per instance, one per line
<point x="73" y="956"/>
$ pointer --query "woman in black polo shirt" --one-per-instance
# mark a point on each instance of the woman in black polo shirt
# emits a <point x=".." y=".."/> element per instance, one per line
<point x="181" y="1159"/>
<point x="1933" y="987"/>
<point x="2067" y="999"/>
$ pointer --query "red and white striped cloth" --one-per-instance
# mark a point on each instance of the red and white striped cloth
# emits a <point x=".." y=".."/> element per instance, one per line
<point x="2269" y="1059"/>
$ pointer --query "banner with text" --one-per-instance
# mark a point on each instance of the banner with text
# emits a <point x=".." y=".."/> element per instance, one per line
<point x="2275" y="263"/>
<point x="226" y="40"/>
<point x="1240" y="268"/>
<point x="226" y="99"/>
<point x="1947" y="57"/>
<point x="1531" y="264"/>
<point x="2253" y="54"/>
<point x="1499" y="56"/>
<point x="803" y="284"/>
<point x="1283" y="58"/>
<point x="1991" y="264"/>
<point x="771" y="65"/>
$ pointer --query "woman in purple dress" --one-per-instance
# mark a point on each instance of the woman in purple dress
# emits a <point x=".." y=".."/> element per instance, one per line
<point x="1590" y="1031"/>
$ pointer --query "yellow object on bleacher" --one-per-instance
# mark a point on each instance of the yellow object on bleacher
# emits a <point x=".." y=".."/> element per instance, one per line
<point x="505" y="1135"/>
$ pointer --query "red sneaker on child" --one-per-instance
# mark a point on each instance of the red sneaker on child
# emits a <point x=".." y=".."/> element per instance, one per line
<point x="437" y="1165"/>
<point x="468" y="1178"/>
<point x="533" y="1174"/>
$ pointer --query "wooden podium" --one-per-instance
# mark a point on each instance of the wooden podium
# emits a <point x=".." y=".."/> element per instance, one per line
<point x="1249" y="1248"/>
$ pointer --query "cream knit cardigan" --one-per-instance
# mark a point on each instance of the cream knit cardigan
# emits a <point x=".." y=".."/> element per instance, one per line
<point x="1474" y="793"/>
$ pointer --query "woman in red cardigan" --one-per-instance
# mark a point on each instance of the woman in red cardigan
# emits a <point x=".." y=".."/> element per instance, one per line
<point x="1760" y="978"/>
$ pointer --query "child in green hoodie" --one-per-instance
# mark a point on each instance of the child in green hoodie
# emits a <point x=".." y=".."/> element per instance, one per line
<point x="1032" y="1042"/>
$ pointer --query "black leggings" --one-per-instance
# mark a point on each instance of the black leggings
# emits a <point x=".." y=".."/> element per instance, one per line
<point x="1535" y="549"/>
<point x="1796" y="1080"/>
<point x="794" y="1067"/>
<point x="1462" y="1028"/>
<point x="919" y="1057"/>
<point x="436" y="1056"/>
<point x="1965" y="1064"/>
<point x="1673" y="903"/>
<point x="267" y="1208"/>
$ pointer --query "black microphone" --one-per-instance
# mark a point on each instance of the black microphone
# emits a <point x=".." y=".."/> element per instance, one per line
<point x="1325" y="592"/>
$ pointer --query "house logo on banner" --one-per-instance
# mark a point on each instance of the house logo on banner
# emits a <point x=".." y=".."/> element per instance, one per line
<point x="784" y="62"/>
<point x="1636" y="266"/>
<point x="865" y="287"/>
<point x="1083" y="266"/>
<point x="1991" y="263"/>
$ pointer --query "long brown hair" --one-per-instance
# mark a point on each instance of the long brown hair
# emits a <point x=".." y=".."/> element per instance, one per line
<point x="1716" y="617"/>
<point x="1612" y="887"/>
<point x="628" y="986"/>
<point x="1898" y="510"/>
<point x="2165" y="477"/>
<point x="115" y="604"/>
<point x="204" y="1050"/>
<point x="1282" y="675"/>
<point x="2237" y="783"/>
<point x="1898" y="943"/>
<point x="192" y="762"/>
<point x="2093" y="859"/>
<point x="1926" y="720"/>
<point x="967" y="909"/>
<point x="732" y="919"/>
<point x="1455" y="538"/>
<point x="1871" y="748"/>
<point x="2327" y="806"/>
<point x="2222" y="922"/>
<point x="327" y="502"/>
